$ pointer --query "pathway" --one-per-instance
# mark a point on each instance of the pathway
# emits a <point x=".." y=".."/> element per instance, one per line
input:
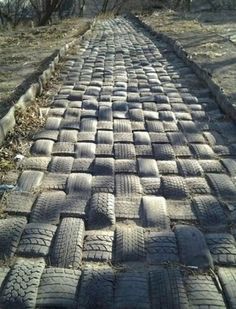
<point x="128" y="199"/>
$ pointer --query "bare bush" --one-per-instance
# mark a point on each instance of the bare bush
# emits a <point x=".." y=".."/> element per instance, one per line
<point x="44" y="9"/>
<point x="13" y="11"/>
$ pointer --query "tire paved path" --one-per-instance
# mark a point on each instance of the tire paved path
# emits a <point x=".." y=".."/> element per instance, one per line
<point x="128" y="199"/>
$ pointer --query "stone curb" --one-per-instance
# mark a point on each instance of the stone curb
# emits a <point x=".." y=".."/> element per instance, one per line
<point x="7" y="123"/>
<point x="223" y="101"/>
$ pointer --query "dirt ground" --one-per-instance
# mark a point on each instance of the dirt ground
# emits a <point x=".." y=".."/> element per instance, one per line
<point x="209" y="37"/>
<point x="28" y="122"/>
<point x="25" y="52"/>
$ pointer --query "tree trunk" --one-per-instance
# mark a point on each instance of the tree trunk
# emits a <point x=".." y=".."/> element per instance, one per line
<point x="1" y="18"/>
<point x="45" y="18"/>
<point x="104" y="7"/>
<point x="81" y="9"/>
<point x="48" y="7"/>
<point x="177" y="4"/>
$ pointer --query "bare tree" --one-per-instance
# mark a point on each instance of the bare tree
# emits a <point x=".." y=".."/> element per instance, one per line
<point x="118" y="5"/>
<point x="81" y="6"/>
<point x="103" y="6"/>
<point x="13" y="11"/>
<point x="67" y="8"/>
<point x="183" y="4"/>
<point x="44" y="9"/>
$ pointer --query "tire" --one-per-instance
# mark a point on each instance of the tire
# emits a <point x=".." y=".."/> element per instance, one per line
<point x="29" y="181"/>
<point x="163" y="152"/>
<point x="101" y="211"/>
<point x="96" y="290"/>
<point x="174" y="187"/>
<point x="222" y="247"/>
<point x="167" y="167"/>
<point x="83" y="165"/>
<point x="58" y="288"/>
<point x="125" y="166"/>
<point x="47" y="208"/>
<point x="68" y="136"/>
<point x="127" y="185"/>
<point x="21" y="285"/>
<point x="63" y="149"/>
<point x="50" y="182"/>
<point x="227" y="278"/>
<point x="211" y="166"/>
<point x="36" y="239"/>
<point x="202" y="292"/>
<point x="197" y="185"/>
<point x="85" y="150"/>
<point x="209" y="212"/>
<point x="98" y="246"/>
<point x="3" y="275"/>
<point x="161" y="247"/>
<point x="155" y="213"/>
<point x="151" y="185"/>
<point x="230" y="165"/>
<point x="88" y="125"/>
<point x="103" y="184"/>
<point x="11" y="230"/>
<point x="160" y="138"/>
<point x="67" y="248"/>
<point x="189" y="167"/>
<point x="177" y="138"/>
<point x="105" y="137"/>
<point x="124" y="151"/>
<point x="47" y="135"/>
<point x="203" y="151"/>
<point x="128" y="208"/>
<point x="35" y="163"/>
<point x="193" y="250"/>
<point x="131" y="291"/>
<point x="155" y="126"/>
<point x="42" y="147"/>
<point x="104" y="167"/>
<point x="148" y="168"/>
<point x="61" y="165"/>
<point x="167" y="289"/>
<point x="222" y="185"/>
<point x="122" y="125"/>
<point x="141" y="138"/>
<point x="79" y="184"/>
<point x="129" y="244"/>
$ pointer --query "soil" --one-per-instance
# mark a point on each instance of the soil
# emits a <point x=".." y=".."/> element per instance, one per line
<point x="28" y="123"/>
<point x="25" y="52"/>
<point x="209" y="37"/>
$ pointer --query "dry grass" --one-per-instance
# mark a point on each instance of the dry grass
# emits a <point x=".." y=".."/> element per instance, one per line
<point x="171" y="22"/>
<point x="28" y="122"/>
<point x="187" y="26"/>
<point x="208" y="37"/>
<point x="104" y="16"/>
<point x="23" y="51"/>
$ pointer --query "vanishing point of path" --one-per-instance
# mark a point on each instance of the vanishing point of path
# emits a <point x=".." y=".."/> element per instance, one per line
<point x="129" y="197"/>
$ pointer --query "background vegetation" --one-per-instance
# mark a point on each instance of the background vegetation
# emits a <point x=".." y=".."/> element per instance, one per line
<point x="41" y="12"/>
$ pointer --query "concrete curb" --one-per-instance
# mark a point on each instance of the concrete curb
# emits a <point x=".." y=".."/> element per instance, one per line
<point x="223" y="101"/>
<point x="7" y="123"/>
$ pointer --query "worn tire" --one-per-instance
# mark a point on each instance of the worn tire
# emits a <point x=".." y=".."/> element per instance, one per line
<point x="96" y="289"/>
<point x="129" y="244"/>
<point x="21" y="286"/>
<point x="102" y="210"/>
<point x="67" y="248"/>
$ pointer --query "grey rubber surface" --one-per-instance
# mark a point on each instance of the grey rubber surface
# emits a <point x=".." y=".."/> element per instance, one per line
<point x="128" y="197"/>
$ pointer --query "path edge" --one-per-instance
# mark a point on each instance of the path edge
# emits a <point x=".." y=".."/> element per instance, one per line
<point x="221" y="98"/>
<point x="8" y="122"/>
